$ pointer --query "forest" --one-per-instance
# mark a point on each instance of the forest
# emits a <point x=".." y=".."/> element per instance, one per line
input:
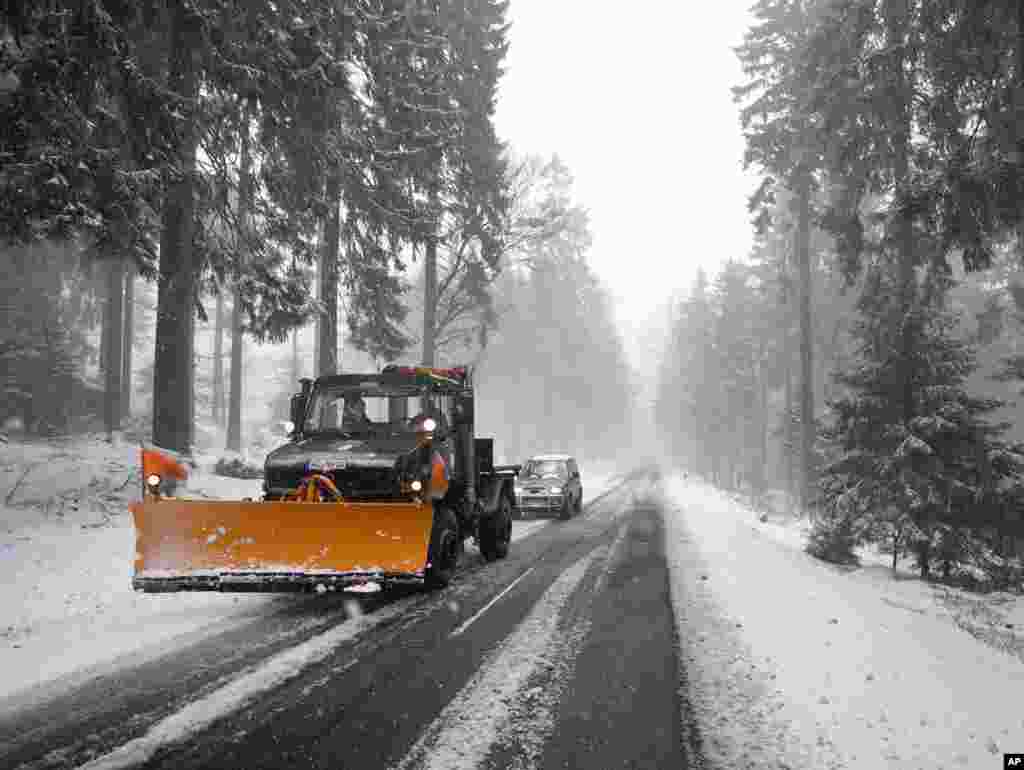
<point x="203" y="200"/>
<point x="863" y="360"/>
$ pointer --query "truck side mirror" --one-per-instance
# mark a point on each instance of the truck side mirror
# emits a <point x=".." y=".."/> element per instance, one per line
<point x="298" y="411"/>
<point x="464" y="410"/>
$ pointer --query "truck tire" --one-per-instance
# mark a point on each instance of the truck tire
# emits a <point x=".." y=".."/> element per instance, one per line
<point x="443" y="554"/>
<point x="579" y="503"/>
<point x="496" y="532"/>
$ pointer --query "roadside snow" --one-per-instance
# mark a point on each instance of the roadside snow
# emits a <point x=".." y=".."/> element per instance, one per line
<point x="597" y="478"/>
<point x="795" y="664"/>
<point x="66" y="551"/>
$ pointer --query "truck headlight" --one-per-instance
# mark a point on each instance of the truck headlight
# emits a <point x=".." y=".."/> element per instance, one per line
<point x="416" y="486"/>
<point x="556" y="490"/>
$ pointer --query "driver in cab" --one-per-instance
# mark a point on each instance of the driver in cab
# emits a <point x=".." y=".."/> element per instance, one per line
<point x="353" y="416"/>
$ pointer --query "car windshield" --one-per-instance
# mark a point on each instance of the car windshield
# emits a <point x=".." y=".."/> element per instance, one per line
<point x="540" y="469"/>
<point x="356" y="412"/>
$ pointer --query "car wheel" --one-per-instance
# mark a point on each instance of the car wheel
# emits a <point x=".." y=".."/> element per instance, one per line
<point x="443" y="554"/>
<point x="566" y="512"/>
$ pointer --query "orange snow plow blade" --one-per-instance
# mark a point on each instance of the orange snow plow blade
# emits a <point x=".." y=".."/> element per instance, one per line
<point x="226" y="545"/>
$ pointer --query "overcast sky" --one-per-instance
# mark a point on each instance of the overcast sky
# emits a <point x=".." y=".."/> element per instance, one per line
<point x="635" y="98"/>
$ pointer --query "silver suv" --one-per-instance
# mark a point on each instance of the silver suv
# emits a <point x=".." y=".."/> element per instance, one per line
<point x="550" y="484"/>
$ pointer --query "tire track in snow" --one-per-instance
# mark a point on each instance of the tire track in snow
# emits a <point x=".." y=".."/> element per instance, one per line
<point x="534" y="713"/>
<point x="505" y="703"/>
<point x="201" y="713"/>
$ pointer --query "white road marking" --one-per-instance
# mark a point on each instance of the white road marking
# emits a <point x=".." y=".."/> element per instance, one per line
<point x="489" y="604"/>
<point x="524" y="529"/>
<point x="236" y="694"/>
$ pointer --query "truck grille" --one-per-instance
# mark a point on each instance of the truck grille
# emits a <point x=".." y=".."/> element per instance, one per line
<point x="366" y="482"/>
<point x="357" y="483"/>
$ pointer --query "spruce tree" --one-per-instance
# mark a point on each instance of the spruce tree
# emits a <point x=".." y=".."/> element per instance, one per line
<point x="918" y="466"/>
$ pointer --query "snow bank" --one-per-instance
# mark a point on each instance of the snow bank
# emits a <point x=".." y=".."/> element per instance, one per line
<point x="793" y="663"/>
<point x="597" y="477"/>
<point x="996" y="618"/>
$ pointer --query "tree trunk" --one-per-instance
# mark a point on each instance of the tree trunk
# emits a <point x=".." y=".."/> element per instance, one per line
<point x="318" y="321"/>
<point x="99" y="281"/>
<point x="191" y="392"/>
<point x="128" y="341"/>
<point x="1018" y="122"/>
<point x="807" y="427"/>
<point x="762" y="427"/>
<point x="218" y="362"/>
<point x="788" y="434"/>
<point x="245" y="193"/>
<point x="328" y="353"/>
<point x="101" y="363"/>
<point x="835" y="361"/>
<point x="296" y="368"/>
<point x="900" y="132"/>
<point x="113" y="322"/>
<point x="234" y="437"/>
<point x="173" y="359"/>
<point x="429" y="300"/>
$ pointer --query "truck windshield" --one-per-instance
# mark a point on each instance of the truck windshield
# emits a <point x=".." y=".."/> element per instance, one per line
<point x="362" y="412"/>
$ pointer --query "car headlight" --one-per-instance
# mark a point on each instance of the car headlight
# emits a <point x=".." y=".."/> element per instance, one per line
<point x="556" y="490"/>
<point x="416" y="486"/>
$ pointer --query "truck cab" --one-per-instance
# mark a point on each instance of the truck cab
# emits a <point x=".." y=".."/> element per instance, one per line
<point x="359" y="430"/>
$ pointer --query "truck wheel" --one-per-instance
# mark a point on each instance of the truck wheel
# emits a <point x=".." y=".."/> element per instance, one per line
<point x="579" y="502"/>
<point x="496" y="532"/>
<point x="443" y="554"/>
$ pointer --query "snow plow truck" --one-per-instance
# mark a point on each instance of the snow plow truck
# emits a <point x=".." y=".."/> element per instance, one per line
<point x="382" y="481"/>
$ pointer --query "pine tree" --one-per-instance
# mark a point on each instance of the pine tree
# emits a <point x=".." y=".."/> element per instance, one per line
<point x="784" y="139"/>
<point x="689" y="393"/>
<point x="914" y="466"/>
